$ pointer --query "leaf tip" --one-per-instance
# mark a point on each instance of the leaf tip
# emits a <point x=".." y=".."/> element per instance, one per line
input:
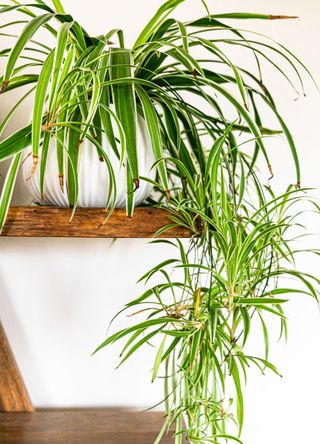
<point x="271" y="172"/>
<point x="4" y="86"/>
<point x="34" y="166"/>
<point x="283" y="17"/>
<point x="136" y="182"/>
<point x="61" y="182"/>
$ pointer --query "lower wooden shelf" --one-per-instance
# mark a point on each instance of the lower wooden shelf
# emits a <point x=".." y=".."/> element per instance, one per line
<point x="93" y="426"/>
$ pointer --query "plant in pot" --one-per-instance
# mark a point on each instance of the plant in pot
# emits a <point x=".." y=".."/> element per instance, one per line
<point x="205" y="152"/>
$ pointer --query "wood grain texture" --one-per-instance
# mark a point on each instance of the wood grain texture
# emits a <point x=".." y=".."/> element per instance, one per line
<point x="87" y="223"/>
<point x="107" y="426"/>
<point x="13" y="394"/>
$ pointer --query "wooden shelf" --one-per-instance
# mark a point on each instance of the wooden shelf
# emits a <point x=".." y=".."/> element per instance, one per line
<point x="41" y="221"/>
<point x="107" y="426"/>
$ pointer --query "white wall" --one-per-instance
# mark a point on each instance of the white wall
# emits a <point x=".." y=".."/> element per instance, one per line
<point x="56" y="296"/>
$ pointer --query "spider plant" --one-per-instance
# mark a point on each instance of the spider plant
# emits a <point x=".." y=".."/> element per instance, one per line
<point x="205" y="117"/>
<point x="236" y="278"/>
<point x="85" y="87"/>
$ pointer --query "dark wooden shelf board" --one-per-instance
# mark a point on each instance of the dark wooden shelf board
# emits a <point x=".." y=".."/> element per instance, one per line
<point x="105" y="426"/>
<point x="41" y="221"/>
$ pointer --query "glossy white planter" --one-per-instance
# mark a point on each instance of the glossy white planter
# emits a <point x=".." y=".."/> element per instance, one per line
<point x="94" y="183"/>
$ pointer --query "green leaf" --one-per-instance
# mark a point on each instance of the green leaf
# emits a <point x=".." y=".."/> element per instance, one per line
<point x="260" y="301"/>
<point x="157" y="20"/>
<point x="239" y="399"/>
<point x="209" y="21"/>
<point x="59" y="62"/>
<point x="152" y="121"/>
<point x="18" y="81"/>
<point x="73" y="143"/>
<point x="125" y="105"/>
<point x="8" y="188"/>
<point x="39" y="101"/>
<point x="130" y="191"/>
<point x="12" y="111"/>
<point x="158" y="359"/>
<point x="122" y="333"/>
<point x="246" y="324"/>
<point x="105" y="112"/>
<point x="26" y="35"/>
<point x="139" y="344"/>
<point x="15" y="143"/>
<point x="58" y="6"/>
<point x="43" y="161"/>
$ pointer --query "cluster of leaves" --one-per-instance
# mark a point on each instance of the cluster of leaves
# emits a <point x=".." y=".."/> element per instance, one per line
<point x="235" y="275"/>
<point x="199" y="110"/>
<point x="86" y="88"/>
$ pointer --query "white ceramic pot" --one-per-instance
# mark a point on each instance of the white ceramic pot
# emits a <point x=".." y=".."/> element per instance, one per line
<point x="94" y="183"/>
